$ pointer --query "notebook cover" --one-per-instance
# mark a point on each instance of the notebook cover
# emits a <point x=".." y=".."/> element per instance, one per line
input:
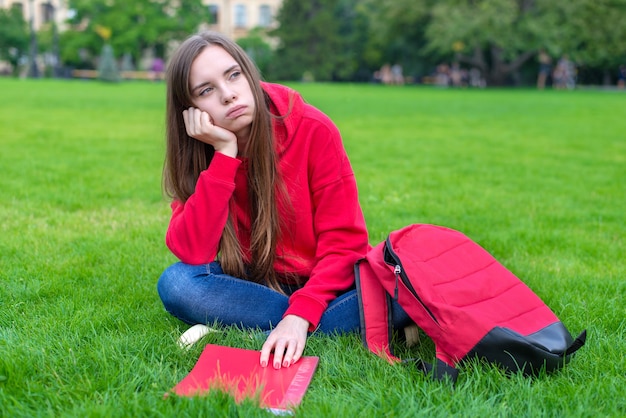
<point x="237" y="371"/>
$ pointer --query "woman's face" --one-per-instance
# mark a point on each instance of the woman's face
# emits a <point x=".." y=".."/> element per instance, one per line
<point x="219" y="87"/>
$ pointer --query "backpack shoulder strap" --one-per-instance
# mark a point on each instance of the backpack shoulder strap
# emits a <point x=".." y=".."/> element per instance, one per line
<point x="375" y="315"/>
<point x="376" y="323"/>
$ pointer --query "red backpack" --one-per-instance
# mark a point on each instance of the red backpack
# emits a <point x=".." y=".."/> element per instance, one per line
<point x="468" y="303"/>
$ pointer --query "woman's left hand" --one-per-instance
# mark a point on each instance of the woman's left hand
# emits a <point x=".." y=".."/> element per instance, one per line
<point x="287" y="341"/>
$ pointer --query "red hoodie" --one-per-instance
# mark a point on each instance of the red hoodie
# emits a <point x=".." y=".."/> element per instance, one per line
<point x="326" y="231"/>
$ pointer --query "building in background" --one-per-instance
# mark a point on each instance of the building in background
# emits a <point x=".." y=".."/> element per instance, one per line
<point x="41" y="12"/>
<point x="235" y="18"/>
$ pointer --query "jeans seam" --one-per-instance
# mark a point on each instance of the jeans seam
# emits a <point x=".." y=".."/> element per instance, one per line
<point x="341" y="303"/>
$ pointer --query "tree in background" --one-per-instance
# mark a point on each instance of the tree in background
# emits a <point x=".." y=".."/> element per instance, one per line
<point x="354" y="60"/>
<point x="397" y="35"/>
<point x="14" y="37"/>
<point x="347" y="40"/>
<point x="136" y="25"/>
<point x="258" y="49"/>
<point x="107" y="67"/>
<point x="320" y="39"/>
<point x="593" y="33"/>
<point x="499" y="37"/>
<point x="307" y="37"/>
<point x="494" y="36"/>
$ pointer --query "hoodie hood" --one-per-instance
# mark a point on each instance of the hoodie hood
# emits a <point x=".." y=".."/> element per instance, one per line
<point x="287" y="107"/>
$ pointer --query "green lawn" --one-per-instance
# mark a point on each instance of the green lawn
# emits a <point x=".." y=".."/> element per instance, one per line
<point x="535" y="177"/>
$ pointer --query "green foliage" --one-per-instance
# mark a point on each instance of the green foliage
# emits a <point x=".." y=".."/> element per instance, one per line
<point x="491" y="35"/>
<point x="599" y="45"/>
<point x="500" y="36"/>
<point x="325" y="38"/>
<point x="78" y="49"/>
<point x="536" y="177"/>
<point x="397" y="32"/>
<point x="352" y="62"/>
<point x="134" y="24"/>
<point x="307" y="34"/>
<point x="258" y="49"/>
<point x="14" y="35"/>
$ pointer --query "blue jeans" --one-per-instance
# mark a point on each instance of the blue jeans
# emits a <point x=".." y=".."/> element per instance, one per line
<point x="205" y="294"/>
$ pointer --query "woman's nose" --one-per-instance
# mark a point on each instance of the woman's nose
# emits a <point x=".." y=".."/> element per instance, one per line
<point x="228" y="96"/>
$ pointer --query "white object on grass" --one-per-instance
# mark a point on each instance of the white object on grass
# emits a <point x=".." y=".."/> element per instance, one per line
<point x="412" y="334"/>
<point x="193" y="335"/>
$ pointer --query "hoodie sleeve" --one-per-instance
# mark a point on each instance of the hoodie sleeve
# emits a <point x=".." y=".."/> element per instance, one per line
<point x="338" y="221"/>
<point x="196" y="226"/>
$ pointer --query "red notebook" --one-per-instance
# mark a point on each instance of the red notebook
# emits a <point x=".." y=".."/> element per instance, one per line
<point x="237" y="371"/>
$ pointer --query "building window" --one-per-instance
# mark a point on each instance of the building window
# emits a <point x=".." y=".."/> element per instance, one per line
<point x="47" y="12"/>
<point x="265" y="16"/>
<point x="214" y="14"/>
<point x="240" y="16"/>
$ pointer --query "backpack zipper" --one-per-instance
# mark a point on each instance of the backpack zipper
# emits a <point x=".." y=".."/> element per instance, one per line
<point x="396" y="271"/>
<point x="399" y="272"/>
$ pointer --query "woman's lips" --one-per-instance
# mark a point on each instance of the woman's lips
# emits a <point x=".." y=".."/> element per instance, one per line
<point x="236" y="111"/>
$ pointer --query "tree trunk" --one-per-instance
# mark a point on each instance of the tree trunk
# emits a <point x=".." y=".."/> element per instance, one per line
<point x="477" y="60"/>
<point x="500" y="70"/>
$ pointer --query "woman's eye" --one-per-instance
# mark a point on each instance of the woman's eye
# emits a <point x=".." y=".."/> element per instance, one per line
<point x="205" y="91"/>
<point x="235" y="74"/>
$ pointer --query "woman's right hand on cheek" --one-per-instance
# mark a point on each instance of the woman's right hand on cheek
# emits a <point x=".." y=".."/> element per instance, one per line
<point x="199" y="125"/>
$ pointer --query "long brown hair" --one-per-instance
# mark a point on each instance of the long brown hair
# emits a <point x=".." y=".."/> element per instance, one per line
<point x="187" y="157"/>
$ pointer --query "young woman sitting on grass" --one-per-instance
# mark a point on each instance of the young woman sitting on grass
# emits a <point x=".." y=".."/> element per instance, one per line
<point x="265" y="213"/>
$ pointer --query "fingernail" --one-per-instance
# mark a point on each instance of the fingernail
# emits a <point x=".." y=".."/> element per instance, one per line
<point x="264" y="364"/>
<point x="277" y="365"/>
<point x="286" y="363"/>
